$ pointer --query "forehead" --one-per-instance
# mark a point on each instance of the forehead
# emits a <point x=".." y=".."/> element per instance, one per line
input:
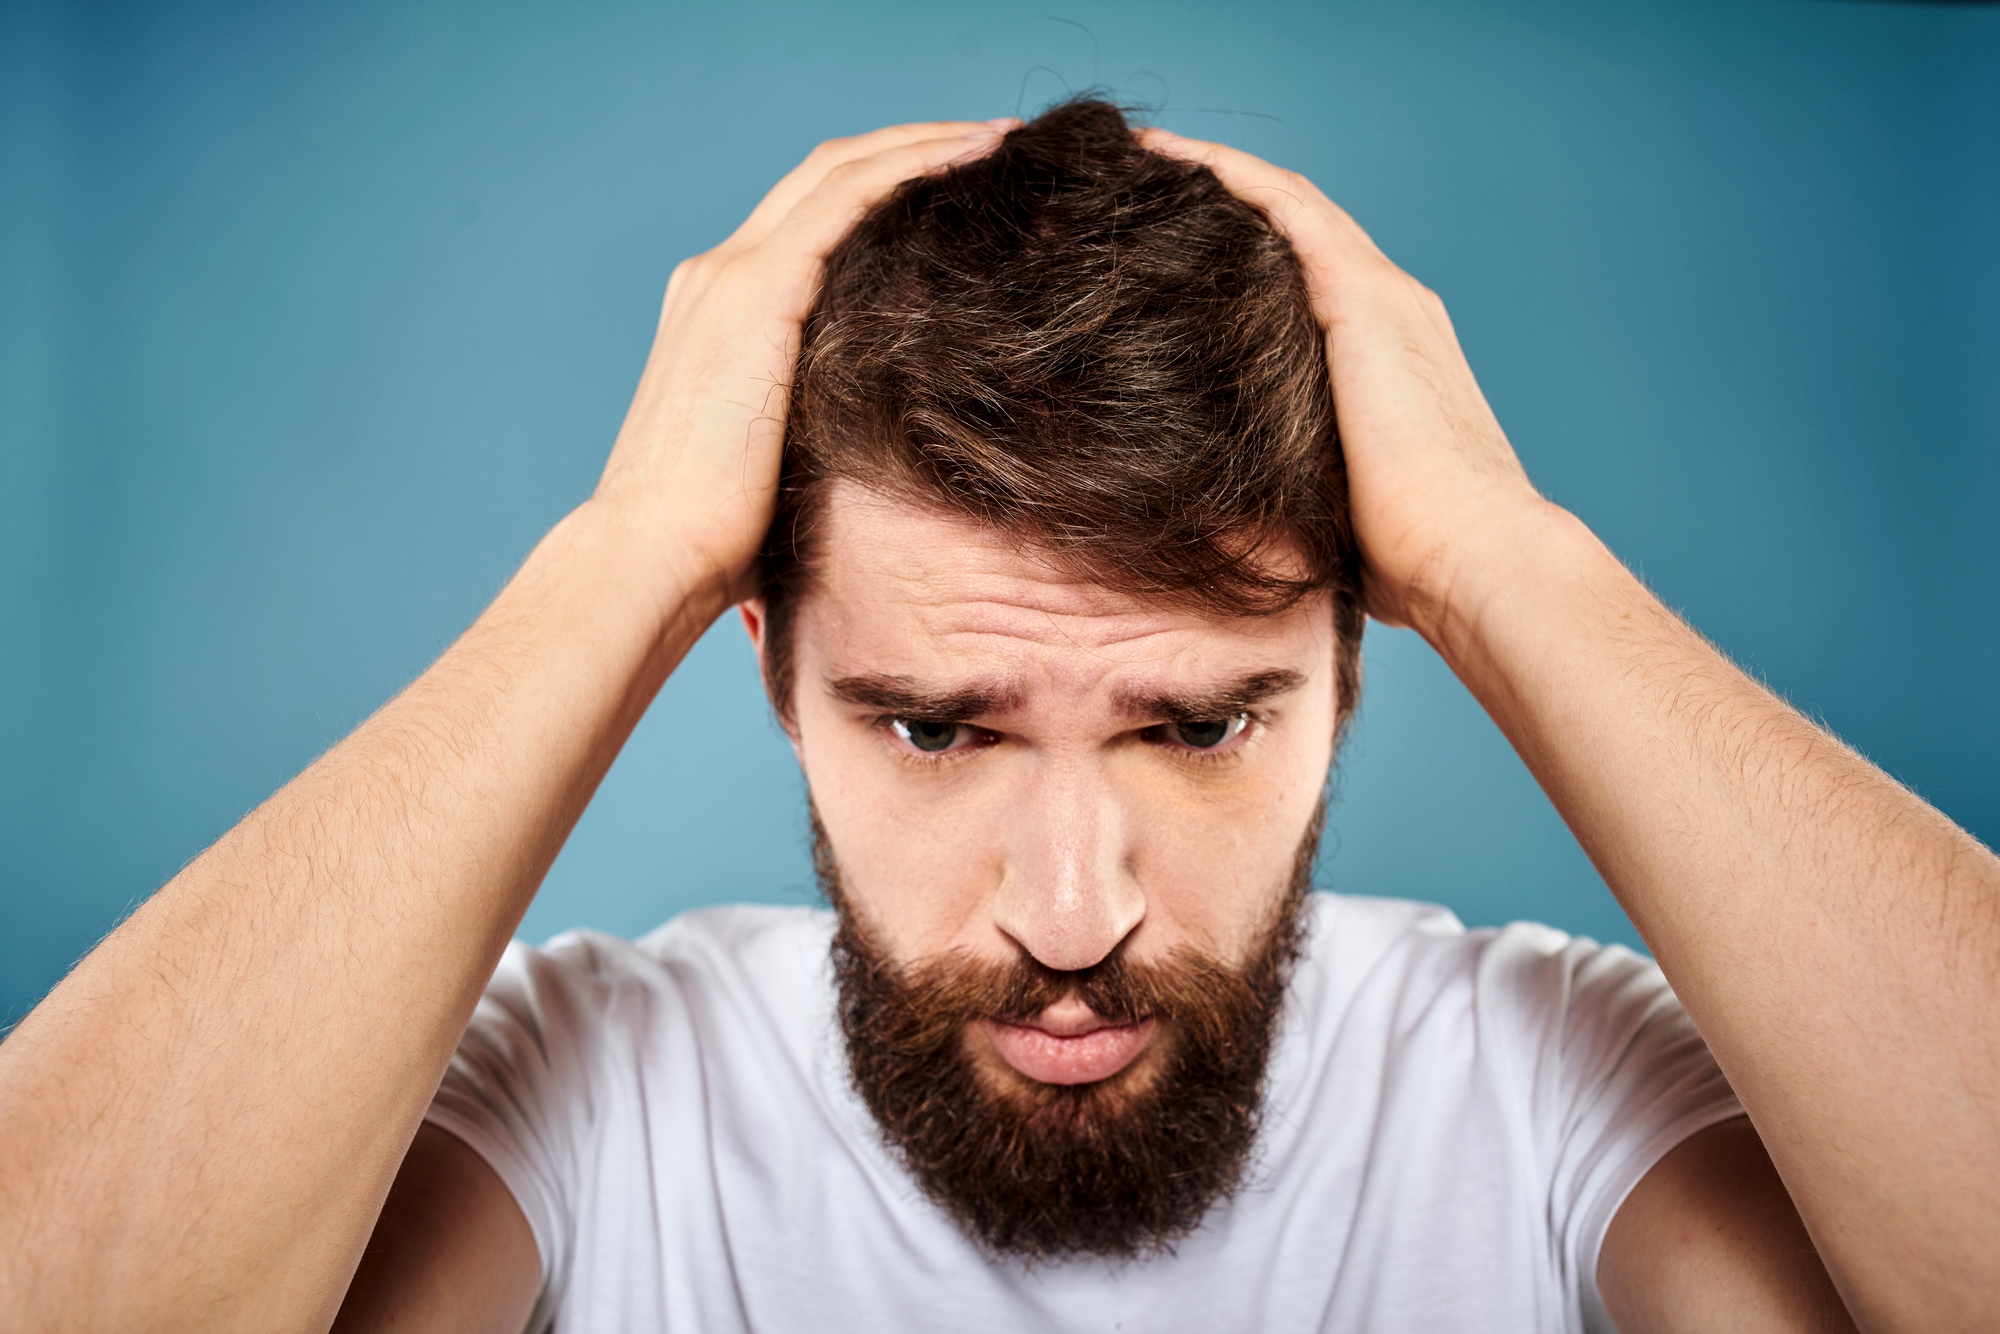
<point x="905" y="590"/>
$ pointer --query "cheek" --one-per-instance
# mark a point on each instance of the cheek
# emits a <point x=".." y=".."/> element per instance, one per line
<point x="917" y="853"/>
<point x="1216" y="858"/>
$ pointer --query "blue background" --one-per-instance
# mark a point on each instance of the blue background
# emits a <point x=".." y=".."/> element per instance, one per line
<point x="314" y="317"/>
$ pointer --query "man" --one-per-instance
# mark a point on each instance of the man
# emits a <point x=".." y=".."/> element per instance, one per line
<point x="1056" y="577"/>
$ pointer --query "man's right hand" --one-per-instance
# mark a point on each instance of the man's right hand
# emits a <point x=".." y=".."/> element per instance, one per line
<point x="697" y="459"/>
<point x="198" y="1127"/>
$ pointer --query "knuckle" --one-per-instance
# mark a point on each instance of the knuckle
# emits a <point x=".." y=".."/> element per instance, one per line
<point x="736" y="265"/>
<point x="699" y="271"/>
<point x="843" y="172"/>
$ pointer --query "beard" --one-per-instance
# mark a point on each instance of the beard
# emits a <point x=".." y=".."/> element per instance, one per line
<point x="1121" y="1168"/>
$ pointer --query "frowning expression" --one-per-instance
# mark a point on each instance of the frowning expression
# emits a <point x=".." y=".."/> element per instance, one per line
<point x="1009" y="760"/>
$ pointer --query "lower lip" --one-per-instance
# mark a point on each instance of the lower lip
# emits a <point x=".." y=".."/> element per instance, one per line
<point x="1083" y="1059"/>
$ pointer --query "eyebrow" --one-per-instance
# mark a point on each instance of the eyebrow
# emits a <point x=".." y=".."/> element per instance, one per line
<point x="1224" y="701"/>
<point x="907" y="698"/>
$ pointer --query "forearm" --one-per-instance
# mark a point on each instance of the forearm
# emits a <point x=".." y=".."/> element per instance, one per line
<point x="1834" y="938"/>
<point x="198" y="1126"/>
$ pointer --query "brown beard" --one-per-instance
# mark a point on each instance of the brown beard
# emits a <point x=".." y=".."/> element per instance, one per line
<point x="1124" y="1167"/>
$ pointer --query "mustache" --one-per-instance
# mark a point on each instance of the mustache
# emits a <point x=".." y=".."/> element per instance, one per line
<point x="1044" y="1172"/>
<point x="1202" y="999"/>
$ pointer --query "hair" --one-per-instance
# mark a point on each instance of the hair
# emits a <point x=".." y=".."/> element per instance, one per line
<point x="1090" y="345"/>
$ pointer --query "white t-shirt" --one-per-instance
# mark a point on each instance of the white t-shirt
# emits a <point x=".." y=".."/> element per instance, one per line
<point x="1452" y="1118"/>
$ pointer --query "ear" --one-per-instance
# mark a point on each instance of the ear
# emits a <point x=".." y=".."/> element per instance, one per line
<point x="754" y="624"/>
<point x="752" y="610"/>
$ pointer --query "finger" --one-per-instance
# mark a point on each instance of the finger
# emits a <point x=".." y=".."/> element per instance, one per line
<point x="1321" y="230"/>
<point x="848" y="189"/>
<point x="803" y="179"/>
<point x="784" y="262"/>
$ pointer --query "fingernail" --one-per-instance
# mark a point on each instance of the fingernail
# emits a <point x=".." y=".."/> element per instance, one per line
<point x="982" y="134"/>
<point x="1005" y="122"/>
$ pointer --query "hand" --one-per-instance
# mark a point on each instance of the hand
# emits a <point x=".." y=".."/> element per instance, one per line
<point x="695" y="467"/>
<point x="1428" y="465"/>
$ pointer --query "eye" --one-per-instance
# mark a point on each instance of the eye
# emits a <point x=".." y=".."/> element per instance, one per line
<point x="1204" y="733"/>
<point x="932" y="736"/>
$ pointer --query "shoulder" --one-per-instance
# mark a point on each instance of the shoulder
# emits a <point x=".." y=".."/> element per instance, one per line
<point x="739" y="936"/>
<point x="732" y="937"/>
<point x="1353" y="933"/>
<point x="1559" y="1035"/>
<point x="1412" y="956"/>
<point x="586" y="980"/>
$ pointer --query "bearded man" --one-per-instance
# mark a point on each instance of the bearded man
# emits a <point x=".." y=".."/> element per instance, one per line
<point x="1054" y="469"/>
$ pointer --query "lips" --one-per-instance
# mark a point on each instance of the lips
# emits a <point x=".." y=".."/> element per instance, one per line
<point x="1098" y="1052"/>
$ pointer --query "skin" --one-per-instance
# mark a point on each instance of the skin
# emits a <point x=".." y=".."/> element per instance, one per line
<point x="1067" y="815"/>
<point x="1713" y="1227"/>
<point x="199" y="1127"/>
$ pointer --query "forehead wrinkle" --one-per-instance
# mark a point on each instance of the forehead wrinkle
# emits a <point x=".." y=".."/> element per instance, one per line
<point x="1011" y="594"/>
<point x="930" y="589"/>
<point x="989" y="617"/>
<point x="960" y="575"/>
<point x="1078" y="649"/>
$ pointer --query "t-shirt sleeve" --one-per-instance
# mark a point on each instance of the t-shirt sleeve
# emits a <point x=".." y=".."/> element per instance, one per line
<point x="1621" y="1078"/>
<point x="519" y="1090"/>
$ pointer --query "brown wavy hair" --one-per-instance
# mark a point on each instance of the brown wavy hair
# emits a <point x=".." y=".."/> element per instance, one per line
<point x="1094" y="346"/>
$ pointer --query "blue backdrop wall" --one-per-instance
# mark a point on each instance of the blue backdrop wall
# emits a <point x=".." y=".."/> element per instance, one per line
<point x="313" y="317"/>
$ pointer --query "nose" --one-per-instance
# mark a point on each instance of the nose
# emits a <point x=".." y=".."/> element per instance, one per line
<point x="1067" y="894"/>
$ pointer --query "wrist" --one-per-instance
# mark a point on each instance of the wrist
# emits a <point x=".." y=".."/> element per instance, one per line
<point x="1497" y="570"/>
<point x="640" y="560"/>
